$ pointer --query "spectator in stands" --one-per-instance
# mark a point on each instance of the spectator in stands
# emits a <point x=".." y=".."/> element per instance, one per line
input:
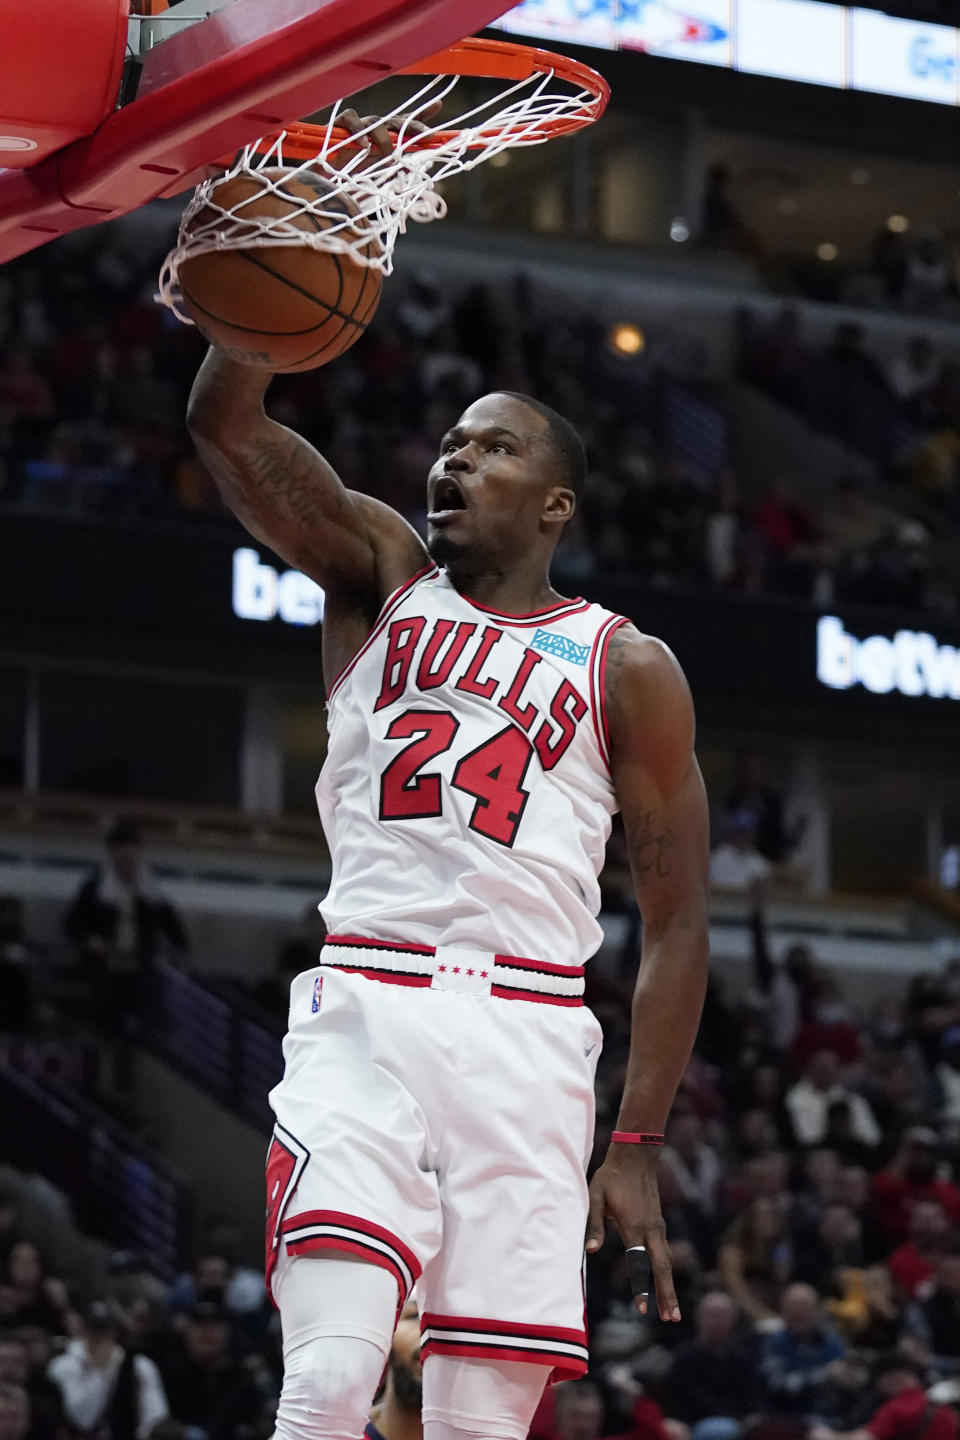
<point x="578" y="1413"/>
<point x="721" y="227"/>
<point x="751" y="792"/>
<point x="14" y="1412"/>
<point x="46" y="1410"/>
<point x="851" y="523"/>
<point x="714" y="1376"/>
<point x="846" y="352"/>
<point x="910" y="1177"/>
<point x="808" y="1104"/>
<point x="245" y="1288"/>
<point x="911" y="374"/>
<point x="396" y="1415"/>
<point x="18" y="958"/>
<point x="218" y="1281"/>
<point x="935" y="1318"/>
<point x="926" y="278"/>
<point x="948" y="1079"/>
<point x="22" y="385"/>
<point x="829" y="1027"/>
<point x="834" y="1248"/>
<point x="120" y="918"/>
<point x="785" y="991"/>
<point x="776" y="357"/>
<point x="693" y="1163"/>
<point x="120" y="921"/>
<point x="10" y="1231"/>
<point x="736" y="863"/>
<point x="29" y="1295"/>
<point x="887" y="263"/>
<point x="786" y="527"/>
<point x="867" y="1312"/>
<point x="853" y="1190"/>
<point x="756" y="1259"/>
<point x="914" y="1263"/>
<point x="803" y="1365"/>
<point x="207" y="1388"/>
<point x="906" y="1412"/>
<point x="107" y="1390"/>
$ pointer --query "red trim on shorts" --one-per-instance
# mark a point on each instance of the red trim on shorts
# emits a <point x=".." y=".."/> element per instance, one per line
<point x="432" y="1321"/>
<point x="400" y="945"/>
<point x="563" y="1367"/>
<point x="493" y="1342"/>
<point x="506" y="992"/>
<point x="598" y="675"/>
<point x="540" y="967"/>
<point x="389" y="605"/>
<point x="355" y="1222"/>
<point x="357" y="1242"/>
<point x="352" y="1247"/>
<point x="392" y="977"/>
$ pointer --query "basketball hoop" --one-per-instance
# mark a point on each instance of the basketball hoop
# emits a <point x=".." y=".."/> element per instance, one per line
<point x="547" y="95"/>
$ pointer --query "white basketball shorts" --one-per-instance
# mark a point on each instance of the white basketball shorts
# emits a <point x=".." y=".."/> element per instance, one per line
<point x="436" y="1118"/>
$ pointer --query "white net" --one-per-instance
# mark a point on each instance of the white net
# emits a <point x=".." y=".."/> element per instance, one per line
<point x="385" y="192"/>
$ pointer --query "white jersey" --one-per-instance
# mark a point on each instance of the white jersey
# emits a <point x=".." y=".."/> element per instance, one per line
<point x="466" y="794"/>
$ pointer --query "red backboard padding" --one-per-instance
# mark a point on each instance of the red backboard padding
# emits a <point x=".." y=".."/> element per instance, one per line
<point x="60" y="68"/>
<point x="246" y="70"/>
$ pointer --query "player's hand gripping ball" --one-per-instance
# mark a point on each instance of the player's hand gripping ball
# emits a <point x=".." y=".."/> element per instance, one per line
<point x="282" y="307"/>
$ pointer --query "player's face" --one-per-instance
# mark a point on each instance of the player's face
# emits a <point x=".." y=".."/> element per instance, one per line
<point x="493" y="489"/>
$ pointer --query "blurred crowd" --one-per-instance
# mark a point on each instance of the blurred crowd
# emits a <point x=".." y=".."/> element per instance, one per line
<point x="94" y="378"/>
<point x="809" y="1195"/>
<point x="809" y="1188"/>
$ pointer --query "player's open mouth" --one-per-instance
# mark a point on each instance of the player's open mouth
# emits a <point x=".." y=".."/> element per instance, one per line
<point x="448" y="501"/>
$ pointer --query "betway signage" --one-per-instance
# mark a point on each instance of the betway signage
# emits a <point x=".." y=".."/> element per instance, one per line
<point x="262" y="593"/>
<point x="910" y="662"/>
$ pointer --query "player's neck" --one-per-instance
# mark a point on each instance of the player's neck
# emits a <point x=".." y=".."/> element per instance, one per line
<point x="512" y="591"/>
<point x="396" y="1422"/>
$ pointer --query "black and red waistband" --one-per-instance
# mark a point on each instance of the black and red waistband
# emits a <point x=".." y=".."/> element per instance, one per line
<point x="457" y="968"/>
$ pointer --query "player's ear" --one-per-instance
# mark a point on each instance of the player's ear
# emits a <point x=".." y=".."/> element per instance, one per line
<point x="559" y="505"/>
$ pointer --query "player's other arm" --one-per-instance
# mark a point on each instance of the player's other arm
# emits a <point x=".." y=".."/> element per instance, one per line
<point x="286" y="494"/>
<point x="662" y="798"/>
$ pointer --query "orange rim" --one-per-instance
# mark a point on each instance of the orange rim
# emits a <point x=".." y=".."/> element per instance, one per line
<point x="489" y="59"/>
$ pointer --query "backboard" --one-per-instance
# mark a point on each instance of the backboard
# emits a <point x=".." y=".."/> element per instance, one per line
<point x="147" y="102"/>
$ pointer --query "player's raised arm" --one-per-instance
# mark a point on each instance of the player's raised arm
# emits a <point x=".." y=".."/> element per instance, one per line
<point x="286" y="494"/>
<point x="662" y="798"/>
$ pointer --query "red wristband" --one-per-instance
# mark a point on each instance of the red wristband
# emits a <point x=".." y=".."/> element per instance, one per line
<point x="637" y="1137"/>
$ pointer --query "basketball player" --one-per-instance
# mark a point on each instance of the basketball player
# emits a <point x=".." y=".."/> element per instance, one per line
<point x="436" y="1113"/>
<point x="396" y="1416"/>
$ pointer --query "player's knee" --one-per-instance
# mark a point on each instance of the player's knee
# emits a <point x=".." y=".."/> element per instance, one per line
<point x="328" y="1387"/>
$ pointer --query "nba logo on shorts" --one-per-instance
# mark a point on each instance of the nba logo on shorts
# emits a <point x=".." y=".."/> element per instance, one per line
<point x="317" y="993"/>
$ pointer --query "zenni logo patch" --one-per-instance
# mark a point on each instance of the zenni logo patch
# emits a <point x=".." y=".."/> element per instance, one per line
<point x="561" y="647"/>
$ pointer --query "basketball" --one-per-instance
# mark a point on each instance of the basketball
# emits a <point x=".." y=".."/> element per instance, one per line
<point x="281" y="307"/>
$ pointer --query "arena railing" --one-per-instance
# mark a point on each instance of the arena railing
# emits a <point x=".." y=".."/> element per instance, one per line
<point x="79" y="816"/>
<point x="120" y="1190"/>
<point x="215" y="1037"/>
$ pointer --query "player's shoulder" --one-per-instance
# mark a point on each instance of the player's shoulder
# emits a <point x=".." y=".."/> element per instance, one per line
<point x="645" y="690"/>
<point x="640" y="660"/>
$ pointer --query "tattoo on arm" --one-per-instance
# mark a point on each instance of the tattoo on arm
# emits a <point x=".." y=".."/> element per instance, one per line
<point x="618" y="649"/>
<point x="279" y="474"/>
<point x="650" y="847"/>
